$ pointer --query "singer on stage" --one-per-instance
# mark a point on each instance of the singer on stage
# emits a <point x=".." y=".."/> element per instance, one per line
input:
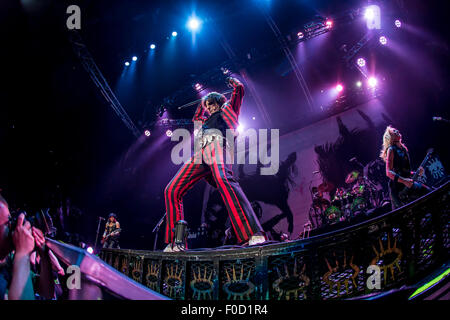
<point x="214" y="112"/>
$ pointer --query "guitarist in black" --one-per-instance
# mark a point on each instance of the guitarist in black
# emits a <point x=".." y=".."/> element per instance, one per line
<point x="111" y="235"/>
<point x="398" y="168"/>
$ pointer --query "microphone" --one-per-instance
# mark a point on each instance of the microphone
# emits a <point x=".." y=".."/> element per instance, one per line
<point x="440" y="119"/>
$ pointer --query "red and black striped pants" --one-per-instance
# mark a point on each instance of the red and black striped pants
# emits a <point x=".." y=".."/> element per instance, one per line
<point x="213" y="169"/>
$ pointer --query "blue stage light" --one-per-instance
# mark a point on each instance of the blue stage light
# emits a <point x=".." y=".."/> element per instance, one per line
<point x="134" y="58"/>
<point x="152" y="46"/>
<point x="193" y="24"/>
<point x="127" y="63"/>
<point x="174" y="34"/>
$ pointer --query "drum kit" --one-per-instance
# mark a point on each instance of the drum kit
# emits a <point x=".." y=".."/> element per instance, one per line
<point x="358" y="196"/>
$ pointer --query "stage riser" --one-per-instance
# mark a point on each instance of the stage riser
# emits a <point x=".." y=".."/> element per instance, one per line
<point x="406" y="244"/>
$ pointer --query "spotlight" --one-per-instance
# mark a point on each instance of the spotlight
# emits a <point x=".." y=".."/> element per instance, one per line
<point x="358" y="84"/>
<point x="193" y="24"/>
<point x="361" y="62"/>
<point x="339" y="88"/>
<point x="398" y="23"/>
<point x="147" y="133"/>
<point x="90" y="250"/>
<point x="174" y="34"/>
<point x="152" y="46"/>
<point x="383" y="40"/>
<point x="253" y="118"/>
<point x="169" y="133"/>
<point x="300" y="35"/>
<point x="198" y="87"/>
<point x="127" y="63"/>
<point x="369" y="13"/>
<point x="329" y="24"/>
<point x="134" y="58"/>
<point x="240" y="128"/>
<point x="372" y="82"/>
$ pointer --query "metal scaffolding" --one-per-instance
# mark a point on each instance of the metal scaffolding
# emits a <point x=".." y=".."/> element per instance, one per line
<point x="90" y="66"/>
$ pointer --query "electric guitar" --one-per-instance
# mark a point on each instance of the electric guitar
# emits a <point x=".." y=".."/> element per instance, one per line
<point x="111" y="234"/>
<point x="407" y="194"/>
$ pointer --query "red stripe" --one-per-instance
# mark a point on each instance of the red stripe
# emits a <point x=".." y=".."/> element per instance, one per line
<point x="237" y="200"/>
<point x="228" y="196"/>
<point x="231" y="113"/>
<point x="226" y="112"/>
<point x="232" y="218"/>
<point x="170" y="227"/>
<point x="177" y="189"/>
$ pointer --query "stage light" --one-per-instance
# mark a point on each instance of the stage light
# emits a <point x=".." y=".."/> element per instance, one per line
<point x="174" y="34"/>
<point x="329" y="24"/>
<point x="240" y="128"/>
<point x="169" y="133"/>
<point x="373" y="16"/>
<point x="372" y="82"/>
<point x="253" y="118"/>
<point x="398" y="23"/>
<point x="127" y="63"/>
<point x="134" y="58"/>
<point x="194" y="24"/>
<point x="339" y="88"/>
<point x="300" y="35"/>
<point x="369" y="13"/>
<point x="225" y="70"/>
<point x="358" y="84"/>
<point x="198" y="87"/>
<point x="90" y="250"/>
<point x="383" y="40"/>
<point x="361" y="62"/>
<point x="147" y="133"/>
<point x="152" y="46"/>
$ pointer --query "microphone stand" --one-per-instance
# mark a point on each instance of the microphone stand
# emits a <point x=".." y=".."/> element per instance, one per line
<point x="98" y="231"/>
<point x="156" y="230"/>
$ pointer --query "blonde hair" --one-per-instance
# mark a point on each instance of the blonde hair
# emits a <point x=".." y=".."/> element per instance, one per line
<point x="388" y="142"/>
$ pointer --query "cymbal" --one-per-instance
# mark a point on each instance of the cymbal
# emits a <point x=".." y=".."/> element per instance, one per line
<point x="325" y="186"/>
<point x="351" y="177"/>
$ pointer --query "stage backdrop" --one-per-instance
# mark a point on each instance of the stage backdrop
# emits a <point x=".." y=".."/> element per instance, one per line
<point x="283" y="201"/>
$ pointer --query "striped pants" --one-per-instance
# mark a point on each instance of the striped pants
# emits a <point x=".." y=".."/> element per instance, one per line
<point x="214" y="170"/>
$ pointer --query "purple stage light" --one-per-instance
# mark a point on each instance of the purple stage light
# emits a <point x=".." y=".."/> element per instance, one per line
<point x="361" y="62"/>
<point x="169" y="133"/>
<point x="358" y="84"/>
<point x="369" y="13"/>
<point x="372" y="82"/>
<point x="198" y="87"/>
<point x="240" y="128"/>
<point x="90" y="250"/>
<point x="147" y="133"/>
<point x="339" y="88"/>
<point x="398" y="23"/>
<point x="300" y="35"/>
<point x="329" y="24"/>
<point x="383" y="40"/>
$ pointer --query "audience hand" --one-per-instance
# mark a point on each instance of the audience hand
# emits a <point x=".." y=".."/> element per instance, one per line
<point x="22" y="237"/>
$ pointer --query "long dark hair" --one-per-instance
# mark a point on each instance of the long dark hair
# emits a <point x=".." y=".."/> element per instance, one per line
<point x="216" y="97"/>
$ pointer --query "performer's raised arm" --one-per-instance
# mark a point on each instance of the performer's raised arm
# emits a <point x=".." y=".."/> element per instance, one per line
<point x="199" y="113"/>
<point x="238" y="94"/>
